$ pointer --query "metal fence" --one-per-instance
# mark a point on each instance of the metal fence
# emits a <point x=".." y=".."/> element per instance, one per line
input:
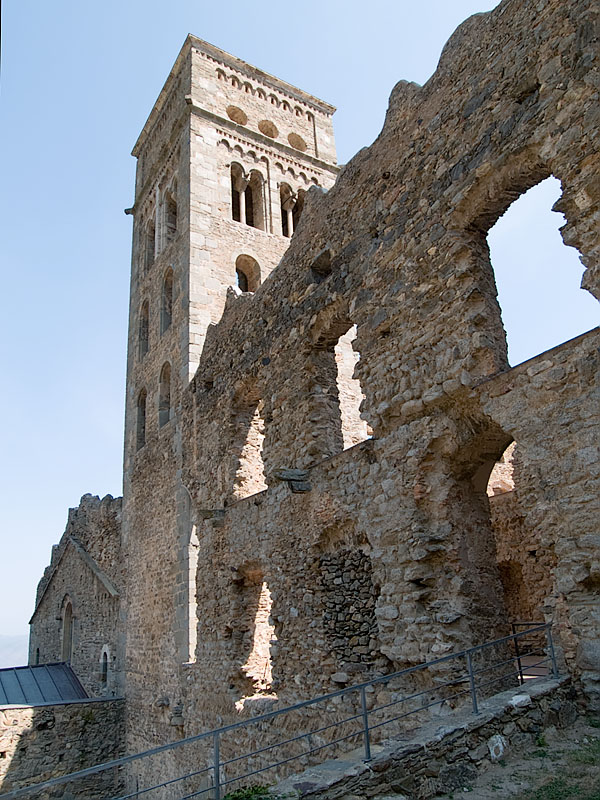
<point x="356" y="716"/>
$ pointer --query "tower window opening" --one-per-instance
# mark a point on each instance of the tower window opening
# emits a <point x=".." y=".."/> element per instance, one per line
<point x="141" y="420"/>
<point x="247" y="272"/>
<point x="170" y="216"/>
<point x="242" y="280"/>
<point x="37" y="655"/>
<point x="255" y="205"/>
<point x="166" y="307"/>
<point x="143" y="342"/>
<point x="149" y="245"/>
<point x="238" y="191"/>
<point x="164" y="395"/>
<point x="291" y="205"/>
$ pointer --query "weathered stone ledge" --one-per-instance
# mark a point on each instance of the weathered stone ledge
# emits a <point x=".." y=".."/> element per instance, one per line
<point x="441" y="757"/>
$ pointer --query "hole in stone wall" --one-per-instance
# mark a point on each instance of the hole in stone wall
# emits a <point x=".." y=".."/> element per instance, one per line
<point x="104" y="669"/>
<point x="526" y="578"/>
<point x="335" y="394"/>
<point x="537" y="276"/>
<point x="247" y="436"/>
<point x="253" y="633"/>
<point x="354" y="429"/>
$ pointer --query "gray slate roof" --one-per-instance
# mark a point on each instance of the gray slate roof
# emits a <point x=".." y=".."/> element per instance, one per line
<point x="40" y="684"/>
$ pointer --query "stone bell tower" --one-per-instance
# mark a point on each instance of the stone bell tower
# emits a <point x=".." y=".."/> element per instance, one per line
<point x="223" y="164"/>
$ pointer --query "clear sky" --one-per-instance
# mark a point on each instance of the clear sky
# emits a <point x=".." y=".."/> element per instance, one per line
<point x="78" y="81"/>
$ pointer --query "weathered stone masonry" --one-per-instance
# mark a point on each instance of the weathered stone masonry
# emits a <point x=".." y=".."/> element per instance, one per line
<point x="264" y="562"/>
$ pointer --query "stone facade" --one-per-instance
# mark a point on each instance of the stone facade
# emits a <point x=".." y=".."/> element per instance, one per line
<point x="308" y="449"/>
<point x="77" y="616"/>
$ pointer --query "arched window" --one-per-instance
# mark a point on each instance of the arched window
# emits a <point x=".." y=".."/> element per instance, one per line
<point x="149" y="245"/>
<point x="37" y="655"/>
<point x="164" y="395"/>
<point x="141" y="420"/>
<point x="247" y="273"/>
<point x="67" y="631"/>
<point x="255" y="206"/>
<point x="104" y="669"/>
<point x="287" y="202"/>
<point x="143" y="329"/>
<point x="247" y="197"/>
<point x="170" y="211"/>
<point x="166" y="303"/>
<point x="238" y="186"/>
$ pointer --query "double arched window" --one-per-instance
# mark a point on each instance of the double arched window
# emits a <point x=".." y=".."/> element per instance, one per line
<point x="292" y="204"/>
<point x="247" y="197"/>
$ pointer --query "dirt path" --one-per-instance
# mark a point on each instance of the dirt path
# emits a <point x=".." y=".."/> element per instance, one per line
<point x="561" y="765"/>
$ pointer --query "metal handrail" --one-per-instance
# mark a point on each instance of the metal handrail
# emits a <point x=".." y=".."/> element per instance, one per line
<point x="363" y="714"/>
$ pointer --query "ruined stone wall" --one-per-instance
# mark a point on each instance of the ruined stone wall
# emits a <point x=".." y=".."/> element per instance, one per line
<point x="397" y="247"/>
<point x="44" y="742"/>
<point x="86" y="571"/>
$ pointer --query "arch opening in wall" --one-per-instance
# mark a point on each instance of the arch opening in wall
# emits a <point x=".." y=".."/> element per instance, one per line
<point x="141" y="420"/>
<point x="149" y="245"/>
<point x="238" y="184"/>
<point x="247" y="273"/>
<point x="524" y="562"/>
<point x="144" y="329"/>
<point x="247" y="437"/>
<point x="291" y="204"/>
<point x="537" y="277"/>
<point x="164" y="395"/>
<point x="170" y="212"/>
<point x="255" y="205"/>
<point x="335" y="394"/>
<point x="37" y="655"/>
<point x="253" y="633"/>
<point x="166" y="302"/>
<point x="67" y="630"/>
<point x="104" y="665"/>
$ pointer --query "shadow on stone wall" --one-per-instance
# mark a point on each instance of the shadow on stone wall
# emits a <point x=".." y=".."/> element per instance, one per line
<point x="38" y="743"/>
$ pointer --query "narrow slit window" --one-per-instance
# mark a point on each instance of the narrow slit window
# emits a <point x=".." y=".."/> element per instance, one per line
<point x="164" y="395"/>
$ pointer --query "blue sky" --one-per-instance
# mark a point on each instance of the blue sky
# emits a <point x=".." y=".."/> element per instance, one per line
<point x="78" y="81"/>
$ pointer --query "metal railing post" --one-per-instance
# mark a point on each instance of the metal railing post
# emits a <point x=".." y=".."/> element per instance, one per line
<point x="518" y="654"/>
<point x="472" y="682"/>
<point x="552" y="652"/>
<point x="365" y="716"/>
<point x="217" y="766"/>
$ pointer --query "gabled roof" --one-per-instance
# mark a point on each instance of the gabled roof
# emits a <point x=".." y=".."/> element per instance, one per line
<point x="39" y="685"/>
<point x="89" y="562"/>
